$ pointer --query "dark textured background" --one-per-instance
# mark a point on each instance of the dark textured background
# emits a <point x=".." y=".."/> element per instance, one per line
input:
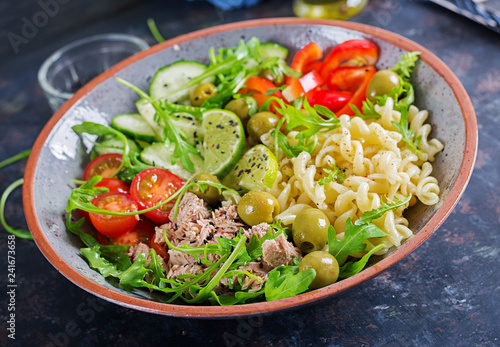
<point x="446" y="293"/>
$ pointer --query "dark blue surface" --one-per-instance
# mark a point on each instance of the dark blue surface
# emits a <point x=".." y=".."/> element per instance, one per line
<point x="446" y="293"/>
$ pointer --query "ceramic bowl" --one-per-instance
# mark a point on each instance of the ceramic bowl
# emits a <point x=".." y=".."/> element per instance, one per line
<point x="58" y="155"/>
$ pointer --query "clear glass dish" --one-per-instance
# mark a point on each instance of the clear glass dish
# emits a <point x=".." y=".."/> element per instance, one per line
<point x="73" y="65"/>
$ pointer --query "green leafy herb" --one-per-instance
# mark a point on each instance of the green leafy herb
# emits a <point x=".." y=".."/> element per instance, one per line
<point x="404" y="67"/>
<point x="352" y="268"/>
<point x="273" y="90"/>
<point x="355" y="234"/>
<point x="377" y="213"/>
<point x="102" y="130"/>
<point x="287" y="281"/>
<point x="21" y="233"/>
<point x="336" y="174"/>
<point x="154" y="31"/>
<point x="353" y="239"/>
<point x="14" y="158"/>
<point x="408" y="134"/>
<point x="368" y="109"/>
<point x="182" y="147"/>
<point x="313" y="122"/>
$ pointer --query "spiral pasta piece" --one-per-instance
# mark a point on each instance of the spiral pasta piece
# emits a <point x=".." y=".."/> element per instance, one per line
<point x="377" y="165"/>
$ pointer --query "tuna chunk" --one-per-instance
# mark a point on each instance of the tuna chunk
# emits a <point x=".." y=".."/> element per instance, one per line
<point x="279" y="252"/>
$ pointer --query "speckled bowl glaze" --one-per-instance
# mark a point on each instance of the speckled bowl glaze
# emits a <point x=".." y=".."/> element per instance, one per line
<point x="59" y="156"/>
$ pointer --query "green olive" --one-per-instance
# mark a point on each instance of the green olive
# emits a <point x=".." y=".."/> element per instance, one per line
<point x="325" y="265"/>
<point x="257" y="207"/>
<point x="268" y="74"/>
<point x="261" y="123"/>
<point x="243" y="107"/>
<point x="310" y="230"/>
<point x="382" y="83"/>
<point x="211" y="194"/>
<point x="201" y="93"/>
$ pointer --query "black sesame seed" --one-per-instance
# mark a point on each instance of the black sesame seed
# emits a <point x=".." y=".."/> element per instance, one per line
<point x="211" y="223"/>
<point x="209" y="237"/>
<point x="261" y="265"/>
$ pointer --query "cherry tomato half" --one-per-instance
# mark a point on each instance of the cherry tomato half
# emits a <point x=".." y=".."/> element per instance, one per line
<point x="114" y="185"/>
<point x="104" y="165"/>
<point x="114" y="225"/>
<point x="143" y="232"/>
<point x="152" y="186"/>
<point x="160" y="250"/>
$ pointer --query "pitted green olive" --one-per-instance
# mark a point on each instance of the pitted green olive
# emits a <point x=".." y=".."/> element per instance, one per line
<point x="261" y="123"/>
<point x="325" y="265"/>
<point x="310" y="230"/>
<point x="382" y="83"/>
<point x="257" y="207"/>
<point x="211" y="194"/>
<point x="243" y="107"/>
<point x="201" y="93"/>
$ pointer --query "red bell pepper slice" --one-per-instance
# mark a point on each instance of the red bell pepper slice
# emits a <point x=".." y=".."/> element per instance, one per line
<point x="259" y="86"/>
<point x="346" y="78"/>
<point x="304" y="56"/>
<point x="334" y="100"/>
<point x="364" y="52"/>
<point x="304" y="84"/>
<point x="360" y="94"/>
<point x="313" y="65"/>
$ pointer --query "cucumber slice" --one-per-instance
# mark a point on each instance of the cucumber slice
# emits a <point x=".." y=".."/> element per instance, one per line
<point x="271" y="49"/>
<point x="256" y="170"/>
<point x="224" y="141"/>
<point x="113" y="145"/>
<point x="160" y="154"/>
<point x="134" y="125"/>
<point x="172" y="77"/>
<point x="147" y="111"/>
<point x="184" y="121"/>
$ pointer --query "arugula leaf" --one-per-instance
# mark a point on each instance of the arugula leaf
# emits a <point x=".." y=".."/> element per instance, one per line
<point x="377" y="213"/>
<point x="21" y="233"/>
<point x="134" y="275"/>
<point x="352" y="268"/>
<point x="408" y="134"/>
<point x="368" y="109"/>
<point x="129" y="173"/>
<point x="404" y="67"/>
<point x="352" y="242"/>
<point x="336" y="174"/>
<point x="156" y="267"/>
<point x="304" y="143"/>
<point x="287" y="281"/>
<point x="175" y="135"/>
<point x="361" y="230"/>
<point x="239" y="297"/>
<point x="116" y="254"/>
<point x="273" y="90"/>
<point x="99" y="263"/>
<point x="102" y="130"/>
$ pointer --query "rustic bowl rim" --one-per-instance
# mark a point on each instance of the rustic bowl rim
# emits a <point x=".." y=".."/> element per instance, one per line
<point x="307" y="298"/>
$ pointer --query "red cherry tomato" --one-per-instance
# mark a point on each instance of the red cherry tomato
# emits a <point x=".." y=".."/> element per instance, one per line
<point x="143" y="232"/>
<point x="104" y="165"/>
<point x="152" y="186"/>
<point x="114" y="225"/>
<point x="159" y="249"/>
<point x="114" y="185"/>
